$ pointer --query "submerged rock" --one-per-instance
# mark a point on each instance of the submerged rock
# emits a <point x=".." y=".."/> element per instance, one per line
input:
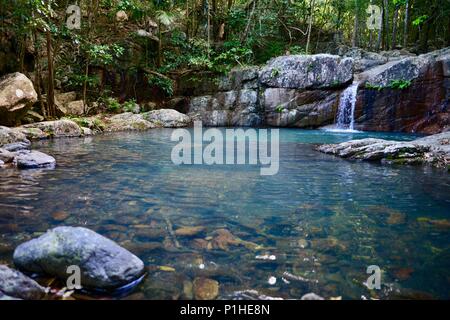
<point x="307" y="72"/>
<point x="34" y="159"/>
<point x="17" y="95"/>
<point x="189" y="231"/>
<point x="311" y="296"/>
<point x="205" y="289"/>
<point x="15" y="284"/>
<point x="103" y="263"/>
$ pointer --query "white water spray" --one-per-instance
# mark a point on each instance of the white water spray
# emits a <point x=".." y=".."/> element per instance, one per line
<point x="345" y="120"/>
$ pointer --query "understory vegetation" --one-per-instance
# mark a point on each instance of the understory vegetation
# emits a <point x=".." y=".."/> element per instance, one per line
<point x="123" y="46"/>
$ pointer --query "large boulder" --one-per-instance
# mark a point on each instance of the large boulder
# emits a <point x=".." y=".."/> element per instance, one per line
<point x="167" y="118"/>
<point x="51" y="129"/>
<point x="34" y="159"/>
<point x="17" y="95"/>
<point x="103" y="263"/>
<point x="307" y="72"/>
<point x="298" y="108"/>
<point x="127" y="121"/>
<point x="8" y="136"/>
<point x="15" y="284"/>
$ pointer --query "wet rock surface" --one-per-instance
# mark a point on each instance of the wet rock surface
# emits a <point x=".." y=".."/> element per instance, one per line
<point x="17" y="285"/>
<point x="103" y="263"/>
<point x="33" y="160"/>
<point x="434" y="150"/>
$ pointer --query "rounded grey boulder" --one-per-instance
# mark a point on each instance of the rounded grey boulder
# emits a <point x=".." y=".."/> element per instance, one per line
<point x="103" y="263"/>
<point x="34" y="159"/>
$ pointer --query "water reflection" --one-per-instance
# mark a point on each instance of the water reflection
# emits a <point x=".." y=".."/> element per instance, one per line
<point x="322" y="218"/>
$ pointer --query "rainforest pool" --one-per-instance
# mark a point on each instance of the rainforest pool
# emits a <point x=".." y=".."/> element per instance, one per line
<point x="314" y="227"/>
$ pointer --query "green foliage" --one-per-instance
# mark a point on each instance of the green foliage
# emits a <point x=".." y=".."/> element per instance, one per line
<point x="275" y="72"/>
<point x="400" y="84"/>
<point x="76" y="80"/>
<point x="166" y="85"/>
<point x="129" y="106"/>
<point x="112" y="105"/>
<point x="104" y="54"/>
<point x="279" y="109"/>
<point x="233" y="54"/>
<point x="420" y="20"/>
<point x="297" y="50"/>
<point x="373" y="87"/>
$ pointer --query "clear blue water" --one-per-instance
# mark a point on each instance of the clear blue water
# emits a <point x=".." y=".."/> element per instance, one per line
<point x="324" y="219"/>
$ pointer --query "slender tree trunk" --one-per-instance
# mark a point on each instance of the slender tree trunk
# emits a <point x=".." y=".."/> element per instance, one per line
<point x="51" y="81"/>
<point x="394" y="28"/>
<point x="209" y="27"/>
<point x="406" y="25"/>
<point x="356" y="26"/>
<point x="311" y="17"/>
<point x="386" y="24"/>
<point x="159" y="62"/>
<point x="37" y="74"/>
<point x="250" y="19"/>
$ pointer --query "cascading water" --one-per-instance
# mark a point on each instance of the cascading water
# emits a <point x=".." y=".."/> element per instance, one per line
<point x="345" y="120"/>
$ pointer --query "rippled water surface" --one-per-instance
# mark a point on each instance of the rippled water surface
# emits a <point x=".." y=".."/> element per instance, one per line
<point x="323" y="218"/>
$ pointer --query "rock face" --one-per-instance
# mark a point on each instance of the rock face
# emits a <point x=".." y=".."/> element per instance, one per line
<point x="167" y="118"/>
<point x="423" y="106"/>
<point x="34" y="159"/>
<point x="231" y="100"/>
<point x="297" y="108"/>
<point x="230" y="108"/>
<point x="17" y="95"/>
<point x="304" y="92"/>
<point x="434" y="150"/>
<point x="103" y="263"/>
<point x="307" y="72"/>
<point x="291" y="91"/>
<point x="15" y="284"/>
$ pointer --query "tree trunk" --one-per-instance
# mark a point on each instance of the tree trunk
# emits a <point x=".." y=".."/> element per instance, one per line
<point x="37" y="75"/>
<point x="356" y="26"/>
<point x="311" y="17"/>
<point x="386" y="24"/>
<point x="406" y="25"/>
<point x="250" y="19"/>
<point x="51" y="85"/>
<point x="394" y="28"/>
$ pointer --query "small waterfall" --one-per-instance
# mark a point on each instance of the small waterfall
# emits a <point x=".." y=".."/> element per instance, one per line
<point x="345" y="120"/>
